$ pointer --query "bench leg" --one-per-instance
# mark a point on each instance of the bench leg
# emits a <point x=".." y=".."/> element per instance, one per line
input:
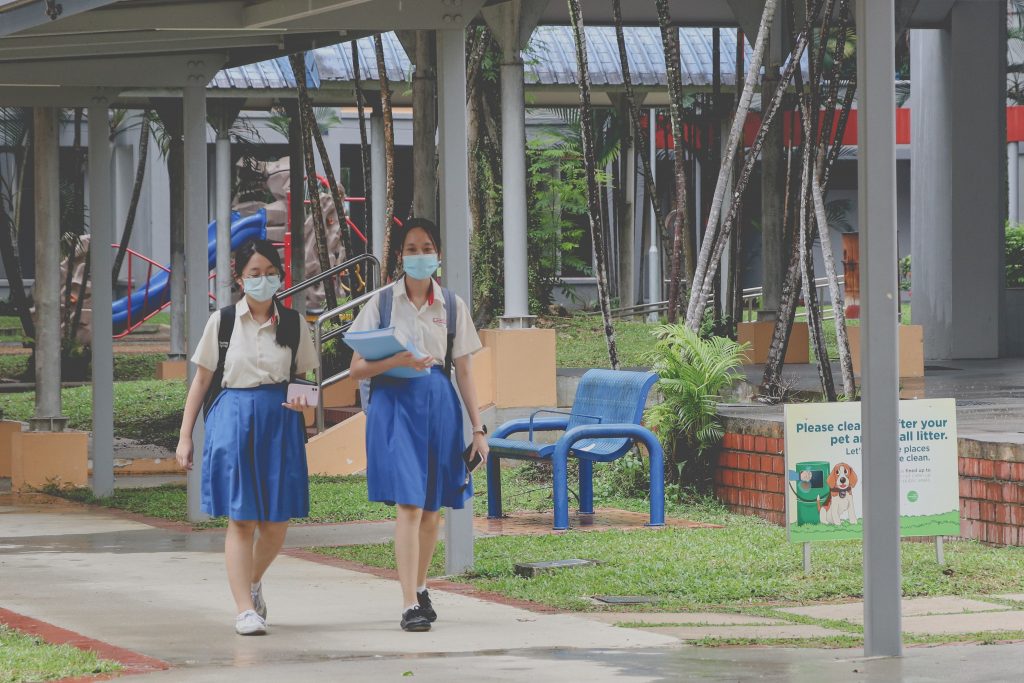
<point x="560" y="465"/>
<point x="657" y="492"/>
<point x="586" y="486"/>
<point x="494" y="487"/>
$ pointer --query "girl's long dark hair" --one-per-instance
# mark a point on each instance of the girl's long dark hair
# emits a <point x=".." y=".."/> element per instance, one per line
<point x="287" y="334"/>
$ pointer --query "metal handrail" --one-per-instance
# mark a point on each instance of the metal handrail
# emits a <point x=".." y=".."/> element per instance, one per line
<point x="319" y="339"/>
<point x="330" y="272"/>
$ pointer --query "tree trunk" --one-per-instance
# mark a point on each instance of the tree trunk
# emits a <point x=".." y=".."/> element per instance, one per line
<point x="704" y="279"/>
<point x="364" y="145"/>
<point x="836" y="292"/>
<point x="642" y="143"/>
<point x="681" y="232"/>
<point x="695" y="310"/>
<point x="590" y="166"/>
<point x="12" y="267"/>
<point x="133" y="204"/>
<point x="390" y="258"/>
<point x="298" y="64"/>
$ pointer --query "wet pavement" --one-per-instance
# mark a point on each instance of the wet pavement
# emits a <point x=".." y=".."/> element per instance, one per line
<point x="162" y="593"/>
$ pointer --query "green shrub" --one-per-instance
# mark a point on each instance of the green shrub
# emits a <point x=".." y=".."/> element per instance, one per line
<point x="693" y="373"/>
<point x="1014" y="255"/>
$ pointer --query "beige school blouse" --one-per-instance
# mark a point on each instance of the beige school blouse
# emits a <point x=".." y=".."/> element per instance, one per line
<point x="253" y="357"/>
<point x="427" y="326"/>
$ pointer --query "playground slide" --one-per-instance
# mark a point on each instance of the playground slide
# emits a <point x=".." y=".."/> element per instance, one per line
<point x="149" y="297"/>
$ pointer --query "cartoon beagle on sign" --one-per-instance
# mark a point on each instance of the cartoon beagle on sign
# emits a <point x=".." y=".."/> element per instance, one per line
<point x="839" y="503"/>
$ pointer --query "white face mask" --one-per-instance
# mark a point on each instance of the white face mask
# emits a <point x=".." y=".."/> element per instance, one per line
<point x="263" y="287"/>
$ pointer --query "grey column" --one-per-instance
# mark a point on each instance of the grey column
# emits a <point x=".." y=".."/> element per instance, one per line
<point x="101" y="229"/>
<point x="1013" y="182"/>
<point x="513" y="184"/>
<point x="223" y="191"/>
<point x="978" y="68"/>
<point x="454" y="176"/>
<point x="627" y="293"/>
<point x="931" y="191"/>
<point x="46" y="292"/>
<point x="876" y="179"/>
<point x="378" y="178"/>
<point x="197" y="287"/>
<point x="653" y="255"/>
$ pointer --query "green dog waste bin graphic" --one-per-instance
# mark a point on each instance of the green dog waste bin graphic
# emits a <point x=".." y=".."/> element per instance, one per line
<point x="810" y="485"/>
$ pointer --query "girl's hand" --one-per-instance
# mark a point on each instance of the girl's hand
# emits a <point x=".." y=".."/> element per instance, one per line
<point x="480" y="445"/>
<point x="408" y="360"/>
<point x="298" y="404"/>
<point x="183" y="453"/>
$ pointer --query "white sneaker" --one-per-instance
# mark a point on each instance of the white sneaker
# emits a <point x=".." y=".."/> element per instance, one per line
<point x="248" y="623"/>
<point x="258" y="603"/>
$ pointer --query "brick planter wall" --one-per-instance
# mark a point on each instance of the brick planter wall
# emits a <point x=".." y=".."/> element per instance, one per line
<point x="750" y="479"/>
<point x="750" y="469"/>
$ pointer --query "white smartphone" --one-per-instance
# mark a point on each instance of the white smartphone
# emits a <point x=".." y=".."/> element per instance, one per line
<point x="310" y="392"/>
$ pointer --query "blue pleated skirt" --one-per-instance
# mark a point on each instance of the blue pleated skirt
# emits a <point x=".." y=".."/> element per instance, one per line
<point x="414" y="443"/>
<point x="254" y="457"/>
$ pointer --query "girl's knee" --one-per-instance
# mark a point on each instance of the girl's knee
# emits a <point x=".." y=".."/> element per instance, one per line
<point x="273" y="528"/>
<point x="243" y="526"/>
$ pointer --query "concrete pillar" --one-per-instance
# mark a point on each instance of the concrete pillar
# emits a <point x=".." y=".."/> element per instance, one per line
<point x="931" y="191"/>
<point x="653" y="255"/>
<point x="773" y="190"/>
<point x="197" y="266"/>
<point x="378" y="179"/>
<point x="101" y="226"/>
<point x="1013" y="182"/>
<point x="46" y="293"/>
<point x="455" y="222"/>
<point x="424" y="128"/>
<point x="978" y="96"/>
<point x="513" y="181"/>
<point x="876" y="181"/>
<point x="223" y="208"/>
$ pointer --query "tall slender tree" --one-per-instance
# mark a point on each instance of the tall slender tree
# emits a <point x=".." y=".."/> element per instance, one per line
<point x="707" y="264"/>
<point x="593" y="189"/>
<point x="389" y="153"/>
<point x="133" y="202"/>
<point x="298" y="64"/>
<point x="682" y="251"/>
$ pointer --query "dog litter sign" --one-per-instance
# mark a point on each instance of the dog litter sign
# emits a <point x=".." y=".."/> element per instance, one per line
<point x="823" y="464"/>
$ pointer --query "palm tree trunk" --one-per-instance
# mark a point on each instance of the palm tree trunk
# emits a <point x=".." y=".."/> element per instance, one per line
<point x="12" y="267"/>
<point x="634" y="114"/>
<point x="695" y="310"/>
<point x="708" y="267"/>
<point x="298" y="64"/>
<point x="364" y="145"/>
<point x="389" y="154"/>
<point x="590" y="166"/>
<point x="133" y="204"/>
<point x="682" y="241"/>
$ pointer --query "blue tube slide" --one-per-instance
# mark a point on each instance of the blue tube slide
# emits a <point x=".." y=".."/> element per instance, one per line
<point x="151" y="295"/>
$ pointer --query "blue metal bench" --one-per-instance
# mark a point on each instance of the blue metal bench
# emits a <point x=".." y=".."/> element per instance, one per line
<point x="603" y="425"/>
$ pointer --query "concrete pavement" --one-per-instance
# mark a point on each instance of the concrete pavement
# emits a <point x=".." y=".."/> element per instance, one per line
<point x="163" y="593"/>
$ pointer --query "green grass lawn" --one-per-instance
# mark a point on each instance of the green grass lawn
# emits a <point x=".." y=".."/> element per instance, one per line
<point x="28" y="658"/>
<point x="10" y="329"/>
<point x="581" y="342"/>
<point x="127" y="366"/>
<point x="146" y="410"/>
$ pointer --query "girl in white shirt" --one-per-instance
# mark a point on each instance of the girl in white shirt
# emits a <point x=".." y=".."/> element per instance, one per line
<point x="254" y="453"/>
<point x="414" y="430"/>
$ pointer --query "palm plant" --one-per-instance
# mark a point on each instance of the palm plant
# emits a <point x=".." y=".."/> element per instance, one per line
<point x="693" y="371"/>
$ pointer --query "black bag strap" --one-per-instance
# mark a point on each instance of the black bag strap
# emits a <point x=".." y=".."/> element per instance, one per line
<point x="226" y="327"/>
<point x="452" y="313"/>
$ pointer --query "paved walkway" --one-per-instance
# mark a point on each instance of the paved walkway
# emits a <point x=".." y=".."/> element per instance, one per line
<point x="162" y="593"/>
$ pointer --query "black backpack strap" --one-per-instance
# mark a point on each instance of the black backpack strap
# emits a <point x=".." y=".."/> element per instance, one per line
<point x="452" y="313"/>
<point x="226" y="327"/>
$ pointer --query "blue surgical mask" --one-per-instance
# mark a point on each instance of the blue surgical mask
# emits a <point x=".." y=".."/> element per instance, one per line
<point x="420" y="266"/>
<point x="262" y="288"/>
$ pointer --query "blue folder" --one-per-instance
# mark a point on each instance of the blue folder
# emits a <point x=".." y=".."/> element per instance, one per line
<point x="384" y="343"/>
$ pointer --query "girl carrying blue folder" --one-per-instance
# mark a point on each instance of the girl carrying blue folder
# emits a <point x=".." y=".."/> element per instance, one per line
<point x="414" y="430"/>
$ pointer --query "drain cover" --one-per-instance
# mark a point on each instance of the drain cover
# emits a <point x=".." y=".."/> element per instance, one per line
<point x="625" y="599"/>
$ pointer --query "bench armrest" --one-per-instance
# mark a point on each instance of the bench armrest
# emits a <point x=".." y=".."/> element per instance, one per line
<point x="550" y="424"/>
<point x="626" y="430"/>
<point x="558" y="412"/>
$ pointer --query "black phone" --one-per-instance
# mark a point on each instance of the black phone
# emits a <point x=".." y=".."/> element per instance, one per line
<point x="472" y="461"/>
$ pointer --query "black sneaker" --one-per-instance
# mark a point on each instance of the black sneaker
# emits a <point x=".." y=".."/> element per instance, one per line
<point x="414" y="619"/>
<point x="426" y="606"/>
